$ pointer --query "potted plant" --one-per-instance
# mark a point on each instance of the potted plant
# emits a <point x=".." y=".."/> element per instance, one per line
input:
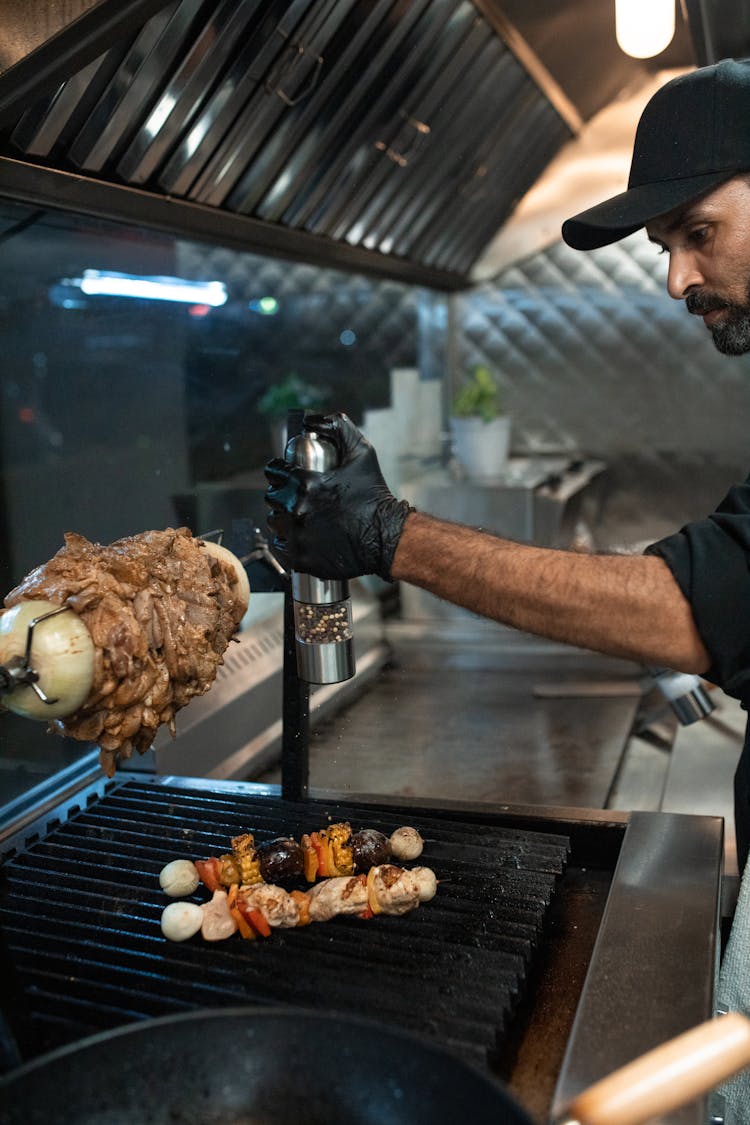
<point x="292" y="393"/>
<point x="480" y="430"/>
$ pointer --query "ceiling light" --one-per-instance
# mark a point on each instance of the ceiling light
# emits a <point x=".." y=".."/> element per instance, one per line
<point x="103" y="283"/>
<point x="644" y="28"/>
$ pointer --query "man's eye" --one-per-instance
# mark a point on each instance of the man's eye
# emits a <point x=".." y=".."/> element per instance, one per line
<point x="698" y="235"/>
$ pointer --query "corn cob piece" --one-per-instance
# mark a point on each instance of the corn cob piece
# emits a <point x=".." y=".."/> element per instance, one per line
<point x="248" y="864"/>
<point x="339" y="836"/>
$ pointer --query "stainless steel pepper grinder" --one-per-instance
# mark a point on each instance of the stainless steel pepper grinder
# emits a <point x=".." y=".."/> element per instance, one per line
<point x="684" y="693"/>
<point x="324" y="640"/>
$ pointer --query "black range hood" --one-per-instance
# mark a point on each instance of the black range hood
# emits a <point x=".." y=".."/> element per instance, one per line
<point x="389" y="136"/>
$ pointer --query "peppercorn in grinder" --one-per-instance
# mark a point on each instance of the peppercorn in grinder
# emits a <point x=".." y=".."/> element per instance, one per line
<point x="322" y="607"/>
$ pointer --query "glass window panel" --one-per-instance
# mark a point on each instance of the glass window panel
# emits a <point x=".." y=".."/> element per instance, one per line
<point x="122" y="413"/>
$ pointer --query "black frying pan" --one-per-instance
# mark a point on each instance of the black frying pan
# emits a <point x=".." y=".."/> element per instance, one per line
<point x="250" y="1066"/>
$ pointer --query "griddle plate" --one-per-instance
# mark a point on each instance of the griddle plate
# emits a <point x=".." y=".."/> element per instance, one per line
<point x="80" y="913"/>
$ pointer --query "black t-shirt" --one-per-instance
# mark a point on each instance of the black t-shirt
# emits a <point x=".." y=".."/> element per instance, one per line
<point x="710" y="560"/>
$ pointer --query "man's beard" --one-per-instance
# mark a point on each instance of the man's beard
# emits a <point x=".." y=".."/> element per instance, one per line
<point x="732" y="335"/>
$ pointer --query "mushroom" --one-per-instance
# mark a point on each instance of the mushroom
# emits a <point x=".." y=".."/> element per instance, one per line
<point x="180" y="920"/>
<point x="425" y="883"/>
<point x="179" y="878"/>
<point x="406" y="843"/>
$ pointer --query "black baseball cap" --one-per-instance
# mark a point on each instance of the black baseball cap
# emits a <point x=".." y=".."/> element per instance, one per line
<point x="693" y="135"/>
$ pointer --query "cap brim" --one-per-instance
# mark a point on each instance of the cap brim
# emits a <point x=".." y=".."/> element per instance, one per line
<point x="626" y="213"/>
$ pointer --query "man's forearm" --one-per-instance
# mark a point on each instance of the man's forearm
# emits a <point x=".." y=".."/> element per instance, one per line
<point x="625" y="605"/>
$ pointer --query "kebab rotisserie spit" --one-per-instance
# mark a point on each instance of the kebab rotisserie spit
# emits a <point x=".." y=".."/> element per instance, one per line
<point x="109" y="642"/>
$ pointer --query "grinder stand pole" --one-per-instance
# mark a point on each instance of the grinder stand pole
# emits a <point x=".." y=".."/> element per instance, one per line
<point x="295" y="715"/>
<point x="295" y="707"/>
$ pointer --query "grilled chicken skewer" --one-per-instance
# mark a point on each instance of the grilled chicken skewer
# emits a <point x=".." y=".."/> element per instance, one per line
<point x="256" y="910"/>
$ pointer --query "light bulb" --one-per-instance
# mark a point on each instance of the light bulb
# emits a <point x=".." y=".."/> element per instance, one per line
<point x="644" y="28"/>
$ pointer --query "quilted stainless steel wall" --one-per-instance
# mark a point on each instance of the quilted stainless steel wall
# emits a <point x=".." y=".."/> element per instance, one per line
<point x="594" y="356"/>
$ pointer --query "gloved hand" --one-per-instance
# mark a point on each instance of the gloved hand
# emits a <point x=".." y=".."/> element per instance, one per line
<point x="340" y="523"/>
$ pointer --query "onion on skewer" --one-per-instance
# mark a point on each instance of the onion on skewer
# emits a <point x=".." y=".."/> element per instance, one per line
<point x="242" y="591"/>
<point x="61" y="656"/>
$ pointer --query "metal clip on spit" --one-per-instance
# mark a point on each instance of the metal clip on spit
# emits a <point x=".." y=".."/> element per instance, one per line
<point x="19" y="671"/>
<point x="322" y="607"/>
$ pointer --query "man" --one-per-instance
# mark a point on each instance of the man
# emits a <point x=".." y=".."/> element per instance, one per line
<point x="685" y="604"/>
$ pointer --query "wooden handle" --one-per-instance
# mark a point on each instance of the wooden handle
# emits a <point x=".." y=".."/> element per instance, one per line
<point x="668" y="1077"/>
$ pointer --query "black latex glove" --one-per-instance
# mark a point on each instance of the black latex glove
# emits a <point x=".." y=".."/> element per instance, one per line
<point x="340" y="523"/>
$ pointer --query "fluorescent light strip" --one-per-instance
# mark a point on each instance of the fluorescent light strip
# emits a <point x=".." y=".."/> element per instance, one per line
<point x="99" y="283"/>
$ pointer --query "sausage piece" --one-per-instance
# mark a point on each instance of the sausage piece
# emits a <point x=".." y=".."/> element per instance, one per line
<point x="280" y="859"/>
<point x="369" y="848"/>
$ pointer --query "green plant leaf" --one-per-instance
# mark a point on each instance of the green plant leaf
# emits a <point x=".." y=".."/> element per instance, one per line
<point x="292" y="393"/>
<point x="479" y="397"/>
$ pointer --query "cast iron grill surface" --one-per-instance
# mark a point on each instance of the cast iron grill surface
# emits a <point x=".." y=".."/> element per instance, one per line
<point x="80" y="911"/>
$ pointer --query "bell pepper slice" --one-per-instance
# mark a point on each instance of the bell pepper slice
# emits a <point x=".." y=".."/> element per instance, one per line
<point x="246" y="930"/>
<point x="311" y="864"/>
<point x="326" y="866"/>
<point x="209" y="871"/>
<point x="371" y="897"/>
<point x="255" y="918"/>
<point x="317" y="845"/>
<point x="303" y="903"/>
<point x="259" y="923"/>
<point x="330" y="862"/>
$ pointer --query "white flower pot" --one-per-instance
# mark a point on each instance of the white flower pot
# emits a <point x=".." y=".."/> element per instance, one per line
<point x="481" y="447"/>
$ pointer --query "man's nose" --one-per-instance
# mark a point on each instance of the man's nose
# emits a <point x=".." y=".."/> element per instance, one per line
<point x="684" y="274"/>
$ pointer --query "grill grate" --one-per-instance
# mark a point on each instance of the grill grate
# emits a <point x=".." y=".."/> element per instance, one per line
<point x="80" y="913"/>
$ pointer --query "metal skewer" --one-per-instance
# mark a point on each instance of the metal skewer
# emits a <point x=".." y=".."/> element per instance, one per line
<point x="259" y="553"/>
<point x="19" y="671"/>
